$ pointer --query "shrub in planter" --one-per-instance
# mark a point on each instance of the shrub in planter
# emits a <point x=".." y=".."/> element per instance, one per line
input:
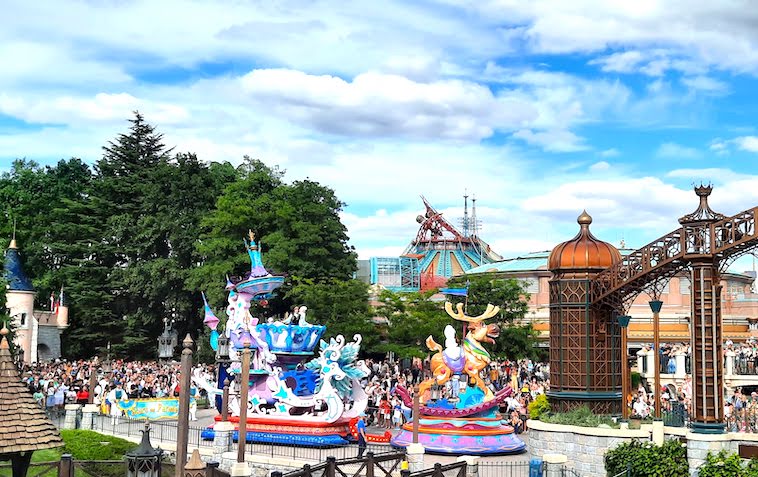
<point x="635" y="379"/>
<point x="724" y="464"/>
<point x="581" y="416"/>
<point x="538" y="407"/>
<point x="90" y="445"/>
<point x="646" y="459"/>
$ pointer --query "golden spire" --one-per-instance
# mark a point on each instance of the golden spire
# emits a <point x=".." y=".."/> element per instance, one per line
<point x="13" y="239"/>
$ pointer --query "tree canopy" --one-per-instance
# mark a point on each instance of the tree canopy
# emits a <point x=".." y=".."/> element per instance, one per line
<point x="516" y="340"/>
<point x="134" y="239"/>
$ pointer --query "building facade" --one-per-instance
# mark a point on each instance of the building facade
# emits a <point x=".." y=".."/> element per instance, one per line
<point x="740" y="302"/>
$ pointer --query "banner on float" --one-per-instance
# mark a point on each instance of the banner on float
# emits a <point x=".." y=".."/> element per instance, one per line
<point x="153" y="409"/>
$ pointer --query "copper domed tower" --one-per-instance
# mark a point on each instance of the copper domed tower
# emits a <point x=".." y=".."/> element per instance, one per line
<point x="584" y="253"/>
<point x="585" y="341"/>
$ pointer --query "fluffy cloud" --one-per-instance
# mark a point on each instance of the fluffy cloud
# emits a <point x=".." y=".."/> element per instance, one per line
<point x="102" y="107"/>
<point x="612" y="152"/>
<point x="553" y="141"/>
<point x="599" y="166"/>
<point x="375" y="104"/>
<point x="690" y="42"/>
<point x="672" y="150"/>
<point x="747" y="143"/>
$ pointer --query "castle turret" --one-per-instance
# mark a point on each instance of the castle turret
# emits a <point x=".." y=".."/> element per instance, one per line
<point x="19" y="300"/>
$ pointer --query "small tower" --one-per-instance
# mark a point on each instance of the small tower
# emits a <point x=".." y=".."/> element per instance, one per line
<point x="19" y="300"/>
<point x="584" y="340"/>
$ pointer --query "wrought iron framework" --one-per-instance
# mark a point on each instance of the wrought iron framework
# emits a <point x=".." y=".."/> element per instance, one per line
<point x="707" y="243"/>
<point x="722" y="241"/>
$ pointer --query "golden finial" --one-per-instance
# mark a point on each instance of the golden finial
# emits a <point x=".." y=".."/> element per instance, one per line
<point x="584" y="218"/>
<point x="251" y="234"/>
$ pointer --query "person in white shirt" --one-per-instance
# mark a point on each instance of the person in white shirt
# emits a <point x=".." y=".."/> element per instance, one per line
<point x="115" y="396"/>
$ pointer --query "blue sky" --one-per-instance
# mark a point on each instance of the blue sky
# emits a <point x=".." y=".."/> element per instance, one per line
<point x="539" y="108"/>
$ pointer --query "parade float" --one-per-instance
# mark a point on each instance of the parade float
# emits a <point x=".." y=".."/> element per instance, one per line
<point x="303" y="390"/>
<point x="465" y="421"/>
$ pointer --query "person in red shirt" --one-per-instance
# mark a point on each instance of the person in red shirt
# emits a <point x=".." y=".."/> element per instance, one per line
<point x="82" y="396"/>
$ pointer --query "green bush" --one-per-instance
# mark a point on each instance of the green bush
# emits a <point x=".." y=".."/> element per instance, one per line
<point x="724" y="464"/>
<point x="538" y="407"/>
<point x="90" y="445"/>
<point x="581" y="416"/>
<point x="647" y="459"/>
<point x="636" y="378"/>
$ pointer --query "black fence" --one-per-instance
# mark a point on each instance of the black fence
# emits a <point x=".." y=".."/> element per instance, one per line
<point x="296" y="451"/>
<point x="504" y="469"/>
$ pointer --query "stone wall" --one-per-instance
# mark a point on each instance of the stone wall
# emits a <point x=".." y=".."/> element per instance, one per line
<point x="585" y="447"/>
<point x="51" y="337"/>
<point x="699" y="445"/>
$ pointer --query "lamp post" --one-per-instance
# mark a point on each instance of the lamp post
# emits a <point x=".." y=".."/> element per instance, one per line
<point x="165" y="342"/>
<point x="182" y="432"/>
<point x="623" y="321"/>
<point x="144" y="461"/>
<point x="416" y="406"/>
<point x="225" y="401"/>
<point x="655" y="306"/>
<point x="107" y="368"/>
<point x="244" y="385"/>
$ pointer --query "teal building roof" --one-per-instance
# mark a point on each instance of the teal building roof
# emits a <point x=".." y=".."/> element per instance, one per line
<point x="525" y="263"/>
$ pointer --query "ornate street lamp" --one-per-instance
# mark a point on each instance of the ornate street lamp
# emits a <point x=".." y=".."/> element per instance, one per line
<point x="144" y="460"/>
<point x="167" y="341"/>
<point x="222" y="352"/>
<point x="107" y="368"/>
<point x="623" y="321"/>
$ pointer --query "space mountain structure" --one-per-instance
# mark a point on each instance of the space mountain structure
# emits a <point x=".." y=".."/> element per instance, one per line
<point x="304" y="390"/>
<point x="439" y="251"/>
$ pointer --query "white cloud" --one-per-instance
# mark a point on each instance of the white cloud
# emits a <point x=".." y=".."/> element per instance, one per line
<point x="102" y="107"/>
<point x="747" y="143"/>
<point x="553" y="141"/>
<point x="612" y="152"/>
<point x="707" y="175"/>
<point x="706" y="84"/>
<point x="719" y="147"/>
<point x="599" y="166"/>
<point x="691" y="34"/>
<point x="376" y="104"/>
<point x="673" y="150"/>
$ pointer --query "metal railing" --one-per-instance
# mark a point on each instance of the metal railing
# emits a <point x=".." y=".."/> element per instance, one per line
<point x="384" y="465"/>
<point x="746" y="366"/>
<point x="676" y="416"/>
<point x="504" y="469"/>
<point x="457" y="469"/>
<point x="296" y="451"/>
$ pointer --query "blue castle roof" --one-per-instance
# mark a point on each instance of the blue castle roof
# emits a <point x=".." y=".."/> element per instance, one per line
<point x="13" y="272"/>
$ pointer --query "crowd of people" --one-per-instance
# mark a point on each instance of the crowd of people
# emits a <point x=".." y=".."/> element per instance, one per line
<point x="57" y="383"/>
<point x="386" y="409"/>
<point x="61" y="382"/>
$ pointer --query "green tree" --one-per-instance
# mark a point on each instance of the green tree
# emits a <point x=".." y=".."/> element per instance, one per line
<point x="516" y="340"/>
<point x="151" y="204"/>
<point x="341" y="305"/>
<point x="410" y="318"/>
<point x="298" y="226"/>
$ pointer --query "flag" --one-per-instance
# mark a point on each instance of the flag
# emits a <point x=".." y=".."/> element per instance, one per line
<point x="454" y="291"/>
